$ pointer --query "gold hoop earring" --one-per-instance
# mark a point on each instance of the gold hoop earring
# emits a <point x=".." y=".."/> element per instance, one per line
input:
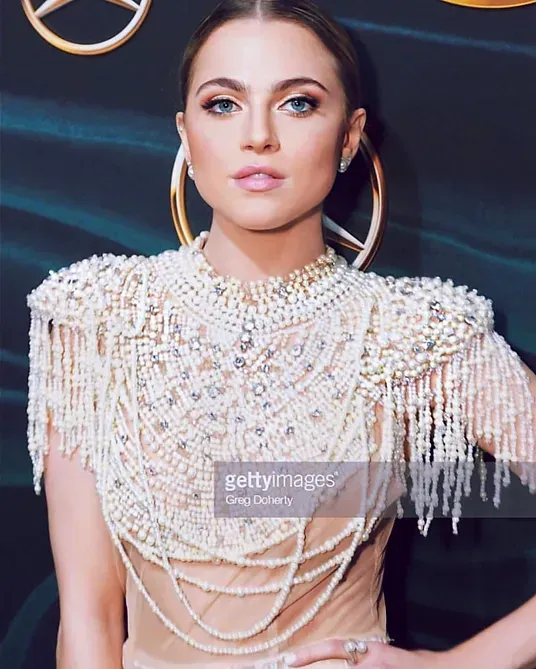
<point x="366" y="250"/>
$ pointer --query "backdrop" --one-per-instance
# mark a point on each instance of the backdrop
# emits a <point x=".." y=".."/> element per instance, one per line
<point x="88" y="144"/>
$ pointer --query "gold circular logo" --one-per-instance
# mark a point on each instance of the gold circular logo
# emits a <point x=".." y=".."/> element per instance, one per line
<point x="137" y="8"/>
<point x="366" y="250"/>
<point x="491" y="4"/>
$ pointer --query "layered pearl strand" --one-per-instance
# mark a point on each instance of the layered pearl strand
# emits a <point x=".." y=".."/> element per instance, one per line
<point x="161" y="367"/>
<point x="290" y="301"/>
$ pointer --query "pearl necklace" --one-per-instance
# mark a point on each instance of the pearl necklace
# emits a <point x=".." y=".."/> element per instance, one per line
<point x="267" y="305"/>
<point x="302" y="280"/>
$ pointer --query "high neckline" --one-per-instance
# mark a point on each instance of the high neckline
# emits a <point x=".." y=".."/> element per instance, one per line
<point x="267" y="305"/>
<point x="299" y="280"/>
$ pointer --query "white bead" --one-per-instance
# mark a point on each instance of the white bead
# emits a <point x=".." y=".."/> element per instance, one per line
<point x="139" y="374"/>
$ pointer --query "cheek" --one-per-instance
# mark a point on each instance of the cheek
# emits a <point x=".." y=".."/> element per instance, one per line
<point x="313" y="166"/>
<point x="210" y="150"/>
<point x="214" y="157"/>
<point x="307" y="154"/>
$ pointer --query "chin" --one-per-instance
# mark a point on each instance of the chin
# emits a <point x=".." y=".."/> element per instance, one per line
<point x="259" y="218"/>
<point x="260" y="224"/>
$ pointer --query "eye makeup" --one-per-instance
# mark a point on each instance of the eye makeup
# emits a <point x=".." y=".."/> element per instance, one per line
<point x="309" y="100"/>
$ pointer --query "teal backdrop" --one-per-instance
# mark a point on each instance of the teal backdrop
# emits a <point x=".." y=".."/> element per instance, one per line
<point x="88" y="144"/>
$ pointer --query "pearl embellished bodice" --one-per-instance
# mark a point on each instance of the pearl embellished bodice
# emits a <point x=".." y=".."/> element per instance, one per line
<point x="156" y="368"/>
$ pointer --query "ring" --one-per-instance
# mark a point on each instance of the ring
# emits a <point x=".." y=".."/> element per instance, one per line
<point x="354" y="648"/>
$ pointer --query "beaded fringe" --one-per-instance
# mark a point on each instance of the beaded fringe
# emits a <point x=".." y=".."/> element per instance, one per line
<point x="65" y="386"/>
<point x="480" y="394"/>
<point x="87" y="347"/>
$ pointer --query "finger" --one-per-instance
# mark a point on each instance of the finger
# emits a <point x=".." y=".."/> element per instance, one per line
<point x="332" y="649"/>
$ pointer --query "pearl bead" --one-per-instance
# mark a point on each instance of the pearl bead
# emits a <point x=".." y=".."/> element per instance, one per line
<point x="156" y="368"/>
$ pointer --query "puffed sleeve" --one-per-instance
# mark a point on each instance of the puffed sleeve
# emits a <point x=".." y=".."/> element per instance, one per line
<point x="455" y="384"/>
<point x="75" y="314"/>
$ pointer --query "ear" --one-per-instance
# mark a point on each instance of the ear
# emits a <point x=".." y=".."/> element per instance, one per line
<point x="181" y="129"/>
<point x="354" y="132"/>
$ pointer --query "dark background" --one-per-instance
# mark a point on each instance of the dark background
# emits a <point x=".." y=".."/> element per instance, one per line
<point x="88" y="144"/>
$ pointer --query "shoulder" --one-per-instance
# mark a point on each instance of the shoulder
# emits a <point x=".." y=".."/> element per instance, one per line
<point x="418" y="322"/>
<point x="89" y="290"/>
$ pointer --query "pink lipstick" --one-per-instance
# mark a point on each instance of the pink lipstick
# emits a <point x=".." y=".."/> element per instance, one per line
<point x="258" y="178"/>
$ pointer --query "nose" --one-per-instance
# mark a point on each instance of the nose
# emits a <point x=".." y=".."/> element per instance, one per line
<point x="259" y="133"/>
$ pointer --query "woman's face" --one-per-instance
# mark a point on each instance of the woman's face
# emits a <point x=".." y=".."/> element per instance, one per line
<point x="243" y="110"/>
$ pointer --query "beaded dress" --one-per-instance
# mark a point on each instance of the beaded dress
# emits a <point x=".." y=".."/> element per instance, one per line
<point x="153" y="369"/>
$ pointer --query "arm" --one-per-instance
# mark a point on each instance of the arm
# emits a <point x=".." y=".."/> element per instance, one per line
<point x="489" y="445"/>
<point x="73" y="326"/>
<point x="510" y="643"/>
<point x="91" y="594"/>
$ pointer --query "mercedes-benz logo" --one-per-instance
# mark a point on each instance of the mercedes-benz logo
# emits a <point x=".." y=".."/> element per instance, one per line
<point x="137" y="10"/>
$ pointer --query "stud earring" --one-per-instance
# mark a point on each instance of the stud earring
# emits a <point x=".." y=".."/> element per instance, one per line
<point x="344" y="164"/>
<point x="191" y="171"/>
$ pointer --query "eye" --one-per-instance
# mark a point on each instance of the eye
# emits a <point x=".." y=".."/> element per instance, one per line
<point x="297" y="102"/>
<point x="222" y="104"/>
<point x="302" y="105"/>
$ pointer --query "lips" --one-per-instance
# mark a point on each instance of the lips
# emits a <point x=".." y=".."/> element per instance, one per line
<point x="258" y="169"/>
<point x="258" y="178"/>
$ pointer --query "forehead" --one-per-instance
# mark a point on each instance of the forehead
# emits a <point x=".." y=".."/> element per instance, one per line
<point x="261" y="52"/>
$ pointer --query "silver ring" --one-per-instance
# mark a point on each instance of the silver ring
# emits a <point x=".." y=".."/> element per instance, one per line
<point x="354" y="648"/>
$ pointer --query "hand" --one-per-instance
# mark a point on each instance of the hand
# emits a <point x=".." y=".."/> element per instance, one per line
<point x="378" y="656"/>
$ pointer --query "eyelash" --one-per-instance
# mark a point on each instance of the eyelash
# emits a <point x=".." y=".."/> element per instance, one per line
<point x="312" y="102"/>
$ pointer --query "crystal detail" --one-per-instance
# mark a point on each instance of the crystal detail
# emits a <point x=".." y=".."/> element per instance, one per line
<point x="168" y="515"/>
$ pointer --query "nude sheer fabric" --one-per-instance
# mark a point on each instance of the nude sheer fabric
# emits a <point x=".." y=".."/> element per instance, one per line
<point x="357" y="608"/>
<point x="109" y="373"/>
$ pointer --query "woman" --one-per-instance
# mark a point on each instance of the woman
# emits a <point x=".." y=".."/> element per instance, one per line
<point x="257" y="344"/>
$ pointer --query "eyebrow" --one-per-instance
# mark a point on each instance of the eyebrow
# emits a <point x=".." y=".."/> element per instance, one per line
<point x="279" y="87"/>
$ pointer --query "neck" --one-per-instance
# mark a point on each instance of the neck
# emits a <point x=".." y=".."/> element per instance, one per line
<point x="253" y="255"/>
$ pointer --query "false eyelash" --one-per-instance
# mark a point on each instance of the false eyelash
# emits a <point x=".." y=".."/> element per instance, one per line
<point x="312" y="102"/>
<point x="212" y="103"/>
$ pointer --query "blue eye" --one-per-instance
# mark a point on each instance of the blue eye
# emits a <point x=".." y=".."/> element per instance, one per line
<point x="302" y="105"/>
<point x="224" y="109"/>
<point x="298" y="102"/>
